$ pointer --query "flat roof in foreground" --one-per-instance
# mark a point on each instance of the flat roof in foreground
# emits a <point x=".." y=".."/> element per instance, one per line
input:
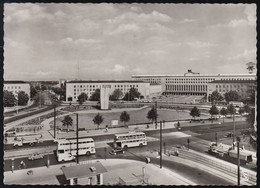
<point x="82" y="171"/>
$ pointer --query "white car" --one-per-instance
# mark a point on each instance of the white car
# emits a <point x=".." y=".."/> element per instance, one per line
<point x="35" y="156"/>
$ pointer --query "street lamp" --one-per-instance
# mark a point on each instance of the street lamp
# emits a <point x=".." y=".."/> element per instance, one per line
<point x="12" y="165"/>
<point x="238" y="162"/>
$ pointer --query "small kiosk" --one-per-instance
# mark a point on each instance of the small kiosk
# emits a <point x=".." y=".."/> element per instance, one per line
<point x="87" y="174"/>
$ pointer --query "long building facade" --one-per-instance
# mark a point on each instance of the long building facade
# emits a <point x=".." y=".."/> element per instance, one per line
<point x="16" y="86"/>
<point x="189" y="83"/>
<point x="75" y="88"/>
<point x="224" y="86"/>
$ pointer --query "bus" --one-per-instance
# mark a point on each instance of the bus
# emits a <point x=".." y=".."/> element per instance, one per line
<point x="68" y="148"/>
<point x="130" y="139"/>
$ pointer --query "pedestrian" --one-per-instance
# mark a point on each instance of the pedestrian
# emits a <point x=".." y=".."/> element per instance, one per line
<point x="21" y="164"/>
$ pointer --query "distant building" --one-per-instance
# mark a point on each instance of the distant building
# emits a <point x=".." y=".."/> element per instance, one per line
<point x="189" y="83"/>
<point x="224" y="86"/>
<point x="16" y="86"/>
<point x="75" y="88"/>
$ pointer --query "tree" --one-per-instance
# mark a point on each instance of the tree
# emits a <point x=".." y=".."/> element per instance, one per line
<point x="232" y="96"/>
<point x="117" y="94"/>
<point x="132" y="94"/>
<point x="22" y="98"/>
<point x="9" y="99"/>
<point x="195" y="112"/>
<point x="152" y="114"/>
<point x="247" y="108"/>
<point x="250" y="118"/>
<point x="231" y="109"/>
<point x="98" y="119"/>
<point x="95" y="96"/>
<point x="216" y="96"/>
<point x="223" y="112"/>
<point x="82" y="98"/>
<point x="33" y="91"/>
<point x="213" y="111"/>
<point x="124" y="117"/>
<point x="67" y="121"/>
<point x="241" y="111"/>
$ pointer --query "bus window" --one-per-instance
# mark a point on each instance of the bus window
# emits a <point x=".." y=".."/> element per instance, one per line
<point x="60" y="151"/>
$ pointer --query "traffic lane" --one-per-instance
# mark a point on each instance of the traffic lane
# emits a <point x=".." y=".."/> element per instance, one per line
<point x="203" y="128"/>
<point x="44" y="143"/>
<point x="198" y="176"/>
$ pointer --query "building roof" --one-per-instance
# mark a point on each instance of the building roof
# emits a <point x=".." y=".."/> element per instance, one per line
<point x="15" y="82"/>
<point x="193" y="75"/>
<point x="233" y="81"/>
<point x="82" y="171"/>
<point x="105" y="81"/>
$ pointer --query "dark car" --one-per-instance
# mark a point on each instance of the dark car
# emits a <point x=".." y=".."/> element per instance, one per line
<point x="228" y="135"/>
<point x="115" y="151"/>
<point x="35" y="156"/>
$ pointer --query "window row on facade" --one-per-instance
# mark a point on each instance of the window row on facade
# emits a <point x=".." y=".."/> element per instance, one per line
<point x="12" y="87"/>
<point x="186" y="88"/>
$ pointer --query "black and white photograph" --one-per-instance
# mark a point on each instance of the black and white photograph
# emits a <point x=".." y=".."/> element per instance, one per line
<point x="130" y="94"/>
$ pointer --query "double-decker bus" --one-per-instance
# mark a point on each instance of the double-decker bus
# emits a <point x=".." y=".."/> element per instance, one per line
<point x="130" y="139"/>
<point x="68" y="148"/>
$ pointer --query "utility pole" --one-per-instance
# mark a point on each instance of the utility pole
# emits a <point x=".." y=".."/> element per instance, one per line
<point x="238" y="162"/>
<point x="77" y="131"/>
<point x="54" y="122"/>
<point x="160" y="144"/>
<point x="234" y="126"/>
<point x="155" y="114"/>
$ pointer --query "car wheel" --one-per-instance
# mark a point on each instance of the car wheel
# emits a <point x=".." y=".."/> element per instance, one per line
<point x="63" y="161"/>
<point x="141" y="145"/>
<point x="88" y="153"/>
<point x="125" y="146"/>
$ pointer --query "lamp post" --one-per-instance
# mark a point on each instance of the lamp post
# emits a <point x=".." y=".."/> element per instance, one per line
<point x="54" y="122"/>
<point x="12" y="165"/>
<point x="160" y="144"/>
<point x="48" y="161"/>
<point x="77" y="131"/>
<point x="155" y="114"/>
<point x="216" y="138"/>
<point x="238" y="162"/>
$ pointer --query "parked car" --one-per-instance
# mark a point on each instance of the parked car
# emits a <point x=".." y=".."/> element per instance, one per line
<point x="35" y="156"/>
<point x="228" y="135"/>
<point x="117" y="150"/>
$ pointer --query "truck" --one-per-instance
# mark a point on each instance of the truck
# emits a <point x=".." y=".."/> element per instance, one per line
<point x="228" y="153"/>
<point x="31" y="140"/>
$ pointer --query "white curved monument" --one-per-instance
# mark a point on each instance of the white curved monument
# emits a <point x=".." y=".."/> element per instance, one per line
<point x="104" y="97"/>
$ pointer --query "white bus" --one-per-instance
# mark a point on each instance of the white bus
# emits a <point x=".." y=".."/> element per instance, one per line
<point x="68" y="148"/>
<point x="130" y="139"/>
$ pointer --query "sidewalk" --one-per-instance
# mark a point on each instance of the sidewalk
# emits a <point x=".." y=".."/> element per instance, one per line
<point x="129" y="170"/>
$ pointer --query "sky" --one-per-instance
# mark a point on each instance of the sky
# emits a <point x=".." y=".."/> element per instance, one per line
<point x="115" y="41"/>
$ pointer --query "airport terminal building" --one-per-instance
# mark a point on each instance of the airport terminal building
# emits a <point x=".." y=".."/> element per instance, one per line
<point x="76" y="87"/>
<point x="190" y="83"/>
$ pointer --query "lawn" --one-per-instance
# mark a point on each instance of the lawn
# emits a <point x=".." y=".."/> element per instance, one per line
<point x="137" y="116"/>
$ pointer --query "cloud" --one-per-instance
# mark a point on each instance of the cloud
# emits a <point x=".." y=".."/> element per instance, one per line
<point x="135" y="17"/>
<point x="14" y="44"/>
<point x="246" y="54"/>
<point x="187" y="20"/>
<point x="135" y="9"/>
<point x="26" y="13"/>
<point x="121" y="29"/>
<point x="199" y="44"/>
<point x="119" y="69"/>
<point x="154" y="52"/>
